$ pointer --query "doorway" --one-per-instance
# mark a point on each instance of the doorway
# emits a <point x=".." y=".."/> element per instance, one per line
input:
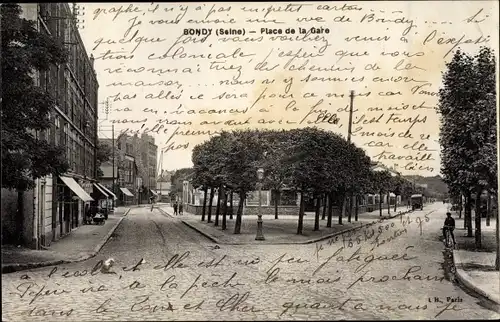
<point x="74" y="214"/>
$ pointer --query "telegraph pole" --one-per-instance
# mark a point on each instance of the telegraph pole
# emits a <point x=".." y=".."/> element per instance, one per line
<point x="113" y="185"/>
<point x="107" y="106"/>
<point x="113" y="144"/>
<point x="349" y="129"/>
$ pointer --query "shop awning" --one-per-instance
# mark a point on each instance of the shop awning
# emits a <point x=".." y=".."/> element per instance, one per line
<point x="154" y="193"/>
<point x="126" y="192"/>
<point x="104" y="193"/>
<point x="76" y="188"/>
<point x="110" y="193"/>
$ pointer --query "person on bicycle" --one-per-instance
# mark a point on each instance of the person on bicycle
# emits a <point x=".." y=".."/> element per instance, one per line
<point x="449" y="223"/>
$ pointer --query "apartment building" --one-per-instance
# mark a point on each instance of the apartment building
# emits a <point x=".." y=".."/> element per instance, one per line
<point x="56" y="205"/>
<point x="149" y="152"/>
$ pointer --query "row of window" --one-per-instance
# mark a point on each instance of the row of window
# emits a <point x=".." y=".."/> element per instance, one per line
<point x="60" y="81"/>
<point x="79" y="153"/>
<point x="127" y="172"/>
<point x="53" y="14"/>
<point x="70" y="101"/>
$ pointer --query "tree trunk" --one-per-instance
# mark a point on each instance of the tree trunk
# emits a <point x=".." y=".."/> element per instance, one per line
<point x="217" y="209"/>
<point x="325" y="201"/>
<point x="237" y="224"/>
<point x="205" y="191"/>
<point x="210" y="203"/>
<point x="342" y="207"/>
<point x="350" y="207"/>
<point x="488" y="209"/>
<point x="477" y="217"/>
<point x="497" y="229"/>
<point x="462" y="208"/>
<point x="224" y="208"/>
<point x="389" y="203"/>
<point x="330" y="210"/>
<point x="356" y="207"/>
<point x="380" y="203"/>
<point x="316" y="214"/>
<point x="20" y="217"/>
<point x="395" y="204"/>
<point x="231" y="208"/>
<point x="468" y="215"/>
<point x="301" y="214"/>
<point x="277" y="195"/>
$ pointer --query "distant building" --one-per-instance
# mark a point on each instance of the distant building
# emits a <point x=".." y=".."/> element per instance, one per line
<point x="164" y="186"/>
<point x="128" y="183"/>
<point x="135" y="168"/>
<point x="148" y="153"/>
<point x="56" y="206"/>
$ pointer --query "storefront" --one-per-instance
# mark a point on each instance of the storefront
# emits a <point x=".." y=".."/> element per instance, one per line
<point x="101" y="196"/>
<point x="71" y="199"/>
<point x="127" y="196"/>
<point x="111" y="197"/>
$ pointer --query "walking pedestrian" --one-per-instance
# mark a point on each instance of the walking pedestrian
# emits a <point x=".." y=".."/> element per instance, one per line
<point x="175" y="208"/>
<point x="180" y="208"/>
<point x="88" y="214"/>
<point x="152" y="201"/>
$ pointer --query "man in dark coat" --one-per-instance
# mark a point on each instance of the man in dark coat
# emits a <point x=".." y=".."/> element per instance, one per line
<point x="449" y="224"/>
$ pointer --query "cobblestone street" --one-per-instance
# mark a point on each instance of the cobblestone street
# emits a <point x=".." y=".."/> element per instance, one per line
<point x="166" y="271"/>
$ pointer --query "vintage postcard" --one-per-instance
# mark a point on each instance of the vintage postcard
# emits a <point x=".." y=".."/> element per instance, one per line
<point x="250" y="161"/>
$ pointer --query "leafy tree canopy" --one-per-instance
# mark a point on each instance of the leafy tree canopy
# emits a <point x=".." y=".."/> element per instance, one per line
<point x="25" y="106"/>
<point x="104" y="153"/>
<point x="467" y="103"/>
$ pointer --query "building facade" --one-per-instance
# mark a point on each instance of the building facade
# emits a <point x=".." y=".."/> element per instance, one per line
<point x="56" y="205"/>
<point x="164" y="186"/>
<point x="129" y="179"/>
<point x="149" y="152"/>
<point x="136" y="156"/>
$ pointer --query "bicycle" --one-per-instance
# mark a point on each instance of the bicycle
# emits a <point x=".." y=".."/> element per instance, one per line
<point x="448" y="240"/>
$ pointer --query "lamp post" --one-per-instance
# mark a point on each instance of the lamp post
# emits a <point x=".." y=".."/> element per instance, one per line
<point x="260" y="176"/>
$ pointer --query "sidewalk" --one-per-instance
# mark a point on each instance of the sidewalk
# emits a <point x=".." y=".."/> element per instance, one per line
<point x="276" y="231"/>
<point x="476" y="268"/>
<point x="81" y="244"/>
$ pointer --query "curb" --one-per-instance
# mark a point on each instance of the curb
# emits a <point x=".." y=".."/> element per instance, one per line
<point x="106" y="238"/>
<point x="466" y="281"/>
<point x="213" y="239"/>
<point x="216" y="240"/>
<point x="165" y="213"/>
<point x="10" y="268"/>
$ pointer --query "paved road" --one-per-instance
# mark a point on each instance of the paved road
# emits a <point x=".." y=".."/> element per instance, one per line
<point x="185" y="278"/>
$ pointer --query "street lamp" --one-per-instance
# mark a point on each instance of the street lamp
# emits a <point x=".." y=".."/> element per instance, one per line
<point x="260" y="176"/>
